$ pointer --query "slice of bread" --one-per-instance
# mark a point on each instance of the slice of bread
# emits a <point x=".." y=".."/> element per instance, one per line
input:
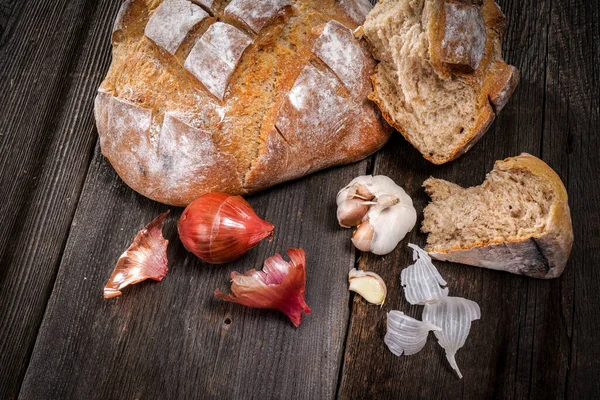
<point x="518" y="220"/>
<point x="441" y="79"/>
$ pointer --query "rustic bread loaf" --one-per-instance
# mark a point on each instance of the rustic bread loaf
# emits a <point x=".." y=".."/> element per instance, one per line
<point x="441" y="79"/>
<point x="235" y="96"/>
<point x="518" y="220"/>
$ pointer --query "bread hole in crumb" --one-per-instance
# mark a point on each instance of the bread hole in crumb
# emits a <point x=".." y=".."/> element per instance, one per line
<point x="462" y="129"/>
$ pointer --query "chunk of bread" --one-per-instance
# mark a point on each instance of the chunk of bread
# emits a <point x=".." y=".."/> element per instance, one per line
<point x="235" y="95"/>
<point x="441" y="79"/>
<point x="518" y="220"/>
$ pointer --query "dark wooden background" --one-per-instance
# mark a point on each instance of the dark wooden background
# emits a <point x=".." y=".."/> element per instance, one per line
<point x="66" y="217"/>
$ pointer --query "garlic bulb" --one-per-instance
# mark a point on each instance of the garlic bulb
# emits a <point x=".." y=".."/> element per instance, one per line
<point x="368" y="284"/>
<point x="406" y="335"/>
<point x="421" y="281"/>
<point x="382" y="210"/>
<point x="453" y="315"/>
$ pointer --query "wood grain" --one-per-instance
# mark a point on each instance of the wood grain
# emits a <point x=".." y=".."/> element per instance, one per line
<point x="52" y="57"/>
<point x="174" y="339"/>
<point x="522" y="347"/>
<point x="66" y="221"/>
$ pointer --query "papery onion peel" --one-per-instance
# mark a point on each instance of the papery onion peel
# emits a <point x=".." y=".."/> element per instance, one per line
<point x="146" y="258"/>
<point x="281" y="285"/>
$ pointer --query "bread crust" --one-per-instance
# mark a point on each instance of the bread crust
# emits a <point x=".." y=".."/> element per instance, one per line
<point x="494" y="80"/>
<point x="227" y="139"/>
<point x="543" y="255"/>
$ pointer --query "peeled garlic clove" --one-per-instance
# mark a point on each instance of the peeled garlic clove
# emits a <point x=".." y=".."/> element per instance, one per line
<point x="453" y="315"/>
<point x="421" y="281"/>
<point x="368" y="284"/>
<point x="351" y="212"/>
<point x="406" y="335"/>
<point x="363" y="236"/>
<point x="146" y="258"/>
<point x="279" y="286"/>
<point x="219" y="228"/>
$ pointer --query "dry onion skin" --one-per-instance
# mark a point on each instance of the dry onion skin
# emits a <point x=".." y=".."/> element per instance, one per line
<point x="145" y="259"/>
<point x="421" y="281"/>
<point x="381" y="210"/>
<point x="448" y="317"/>
<point x="281" y="285"/>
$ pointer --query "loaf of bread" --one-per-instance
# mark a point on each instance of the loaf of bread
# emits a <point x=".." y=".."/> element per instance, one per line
<point x="441" y="79"/>
<point x="518" y="220"/>
<point x="235" y="96"/>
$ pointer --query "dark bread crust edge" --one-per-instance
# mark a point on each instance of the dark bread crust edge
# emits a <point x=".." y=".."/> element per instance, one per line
<point x="498" y="81"/>
<point x="545" y="254"/>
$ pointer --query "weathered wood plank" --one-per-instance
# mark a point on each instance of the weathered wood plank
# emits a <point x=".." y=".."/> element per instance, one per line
<point x="50" y="65"/>
<point x="174" y="339"/>
<point x="508" y="352"/>
<point x="571" y="146"/>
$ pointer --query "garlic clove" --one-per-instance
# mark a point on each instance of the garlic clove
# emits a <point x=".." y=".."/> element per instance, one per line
<point x="363" y="192"/>
<point x="453" y="315"/>
<point x="351" y="212"/>
<point x="363" y="236"/>
<point x="219" y="228"/>
<point x="406" y="335"/>
<point x="421" y="281"/>
<point x="146" y="258"/>
<point x="368" y="284"/>
<point x="281" y="285"/>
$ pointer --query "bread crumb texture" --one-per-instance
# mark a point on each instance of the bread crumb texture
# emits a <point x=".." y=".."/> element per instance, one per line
<point x="235" y="96"/>
<point x="440" y="71"/>
<point x="520" y="214"/>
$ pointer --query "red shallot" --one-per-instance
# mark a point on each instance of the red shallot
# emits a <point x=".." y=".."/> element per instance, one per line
<point x="219" y="228"/>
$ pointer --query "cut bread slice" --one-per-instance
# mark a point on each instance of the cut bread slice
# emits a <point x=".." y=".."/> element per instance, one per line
<point x="518" y="220"/>
<point x="441" y="78"/>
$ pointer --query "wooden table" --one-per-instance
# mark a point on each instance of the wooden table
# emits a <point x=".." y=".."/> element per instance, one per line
<point x="66" y="217"/>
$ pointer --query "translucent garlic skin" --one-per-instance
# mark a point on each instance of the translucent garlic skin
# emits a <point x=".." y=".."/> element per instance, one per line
<point x="421" y="281"/>
<point x="146" y="258"/>
<point x="406" y="335"/>
<point x="391" y="218"/>
<point x="453" y="315"/>
<point x="281" y="285"/>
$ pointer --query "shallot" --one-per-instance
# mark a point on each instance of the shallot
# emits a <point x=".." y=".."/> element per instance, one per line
<point x="219" y="228"/>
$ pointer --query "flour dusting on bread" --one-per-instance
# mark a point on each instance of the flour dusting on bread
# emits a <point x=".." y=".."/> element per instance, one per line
<point x="215" y="96"/>
<point x="256" y="13"/>
<point x="337" y="47"/>
<point x="215" y="56"/>
<point x="171" y="22"/>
